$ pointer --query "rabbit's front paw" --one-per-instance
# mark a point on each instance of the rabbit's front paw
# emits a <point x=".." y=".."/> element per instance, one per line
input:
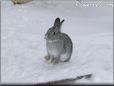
<point x="55" y="61"/>
<point x="48" y="59"/>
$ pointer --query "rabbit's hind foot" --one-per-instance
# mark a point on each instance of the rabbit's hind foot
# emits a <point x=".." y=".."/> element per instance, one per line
<point x="55" y="61"/>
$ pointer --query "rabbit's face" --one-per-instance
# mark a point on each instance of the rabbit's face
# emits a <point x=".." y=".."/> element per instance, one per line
<point x="52" y="33"/>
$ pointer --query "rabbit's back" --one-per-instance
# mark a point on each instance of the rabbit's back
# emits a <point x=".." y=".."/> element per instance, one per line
<point x="66" y="39"/>
<point x="68" y="47"/>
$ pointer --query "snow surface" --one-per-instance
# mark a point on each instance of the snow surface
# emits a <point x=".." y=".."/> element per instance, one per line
<point x="23" y="44"/>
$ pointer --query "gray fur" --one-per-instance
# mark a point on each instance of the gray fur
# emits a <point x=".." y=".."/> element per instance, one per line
<point x="58" y="44"/>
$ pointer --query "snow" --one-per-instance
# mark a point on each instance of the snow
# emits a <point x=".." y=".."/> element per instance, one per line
<point x="23" y="45"/>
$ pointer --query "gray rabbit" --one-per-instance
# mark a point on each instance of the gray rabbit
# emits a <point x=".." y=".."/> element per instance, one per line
<point x="59" y="45"/>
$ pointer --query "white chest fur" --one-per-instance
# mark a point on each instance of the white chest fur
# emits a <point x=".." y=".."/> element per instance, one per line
<point x="55" y="47"/>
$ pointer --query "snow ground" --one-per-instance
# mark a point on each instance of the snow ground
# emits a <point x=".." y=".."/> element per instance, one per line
<point x="23" y="44"/>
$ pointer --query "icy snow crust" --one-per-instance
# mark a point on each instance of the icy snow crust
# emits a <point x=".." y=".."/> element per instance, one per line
<point x="23" y="45"/>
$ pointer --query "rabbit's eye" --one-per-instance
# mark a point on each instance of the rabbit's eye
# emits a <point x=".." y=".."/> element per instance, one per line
<point x="53" y="33"/>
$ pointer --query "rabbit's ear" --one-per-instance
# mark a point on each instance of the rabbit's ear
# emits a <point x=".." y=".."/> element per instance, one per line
<point x="58" y="26"/>
<point x="62" y="22"/>
<point x="57" y="21"/>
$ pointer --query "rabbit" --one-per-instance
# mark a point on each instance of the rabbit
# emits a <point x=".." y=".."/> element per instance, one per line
<point x="59" y="45"/>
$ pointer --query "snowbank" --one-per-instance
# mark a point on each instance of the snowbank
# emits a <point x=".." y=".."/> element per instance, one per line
<point x="23" y="44"/>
